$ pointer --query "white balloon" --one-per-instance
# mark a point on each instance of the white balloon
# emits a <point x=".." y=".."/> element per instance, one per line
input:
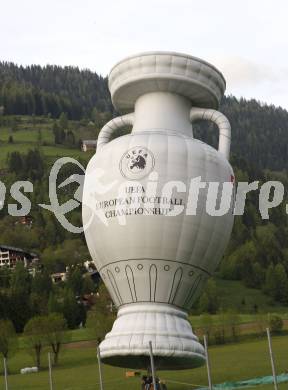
<point x="152" y="254"/>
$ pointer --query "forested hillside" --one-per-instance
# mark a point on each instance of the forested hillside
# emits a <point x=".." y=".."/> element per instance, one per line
<point x="260" y="132"/>
<point x="61" y="106"/>
<point x="52" y="90"/>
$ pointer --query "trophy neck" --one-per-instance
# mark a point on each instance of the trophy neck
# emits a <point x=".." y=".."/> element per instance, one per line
<point x="163" y="111"/>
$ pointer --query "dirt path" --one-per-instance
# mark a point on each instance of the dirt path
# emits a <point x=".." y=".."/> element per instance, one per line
<point x="81" y="344"/>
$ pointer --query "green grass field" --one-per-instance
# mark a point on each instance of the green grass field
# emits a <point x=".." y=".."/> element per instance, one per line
<point x="51" y="152"/>
<point x="27" y="137"/>
<point x="78" y="369"/>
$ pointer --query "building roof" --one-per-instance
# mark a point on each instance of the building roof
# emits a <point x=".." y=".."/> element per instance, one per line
<point x="12" y="248"/>
<point x="89" y="142"/>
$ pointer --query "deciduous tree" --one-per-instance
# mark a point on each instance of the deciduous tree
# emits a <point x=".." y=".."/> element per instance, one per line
<point x="8" y="338"/>
<point x="55" y="333"/>
<point x="35" y="337"/>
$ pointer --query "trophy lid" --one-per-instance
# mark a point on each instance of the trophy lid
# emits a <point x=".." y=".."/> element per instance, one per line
<point x="172" y="72"/>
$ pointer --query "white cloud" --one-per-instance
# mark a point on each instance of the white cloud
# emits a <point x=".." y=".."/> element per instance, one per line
<point x="242" y="72"/>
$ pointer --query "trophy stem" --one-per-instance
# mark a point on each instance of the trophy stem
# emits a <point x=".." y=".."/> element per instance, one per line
<point x="163" y="110"/>
<point x="174" y="344"/>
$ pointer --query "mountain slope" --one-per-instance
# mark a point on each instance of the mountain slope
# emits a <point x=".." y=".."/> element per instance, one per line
<point x="259" y="132"/>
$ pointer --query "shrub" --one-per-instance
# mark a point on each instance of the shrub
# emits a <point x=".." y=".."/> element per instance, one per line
<point x="275" y="323"/>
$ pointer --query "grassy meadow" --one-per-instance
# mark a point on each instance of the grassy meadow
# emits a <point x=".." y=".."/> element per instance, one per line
<point x="29" y="134"/>
<point x="78" y="368"/>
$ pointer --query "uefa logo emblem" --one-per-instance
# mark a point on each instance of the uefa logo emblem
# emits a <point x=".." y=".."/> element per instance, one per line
<point x="136" y="163"/>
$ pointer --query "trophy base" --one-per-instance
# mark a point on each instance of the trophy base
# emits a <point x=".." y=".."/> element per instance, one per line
<point x="174" y="344"/>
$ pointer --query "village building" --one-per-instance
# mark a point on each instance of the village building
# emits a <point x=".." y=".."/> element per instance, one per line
<point x="10" y="256"/>
<point x="58" y="277"/>
<point x="89" y="144"/>
<point x="25" y="220"/>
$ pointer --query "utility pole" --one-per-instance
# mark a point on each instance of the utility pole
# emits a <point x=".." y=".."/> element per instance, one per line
<point x="208" y="363"/>
<point x="272" y="359"/>
<point x="50" y="371"/>
<point x="152" y="364"/>
<point x="5" y="374"/>
<point x="100" y="368"/>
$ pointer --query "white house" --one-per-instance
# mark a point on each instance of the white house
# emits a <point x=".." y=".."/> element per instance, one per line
<point x="89" y="144"/>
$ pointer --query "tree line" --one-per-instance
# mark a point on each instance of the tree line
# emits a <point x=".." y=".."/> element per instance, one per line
<point x="24" y="296"/>
<point x="259" y="131"/>
<point x="49" y="328"/>
<point x="228" y="326"/>
<point x="51" y="90"/>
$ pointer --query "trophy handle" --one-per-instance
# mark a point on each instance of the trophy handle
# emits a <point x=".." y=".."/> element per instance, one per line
<point x="221" y="121"/>
<point x="113" y="125"/>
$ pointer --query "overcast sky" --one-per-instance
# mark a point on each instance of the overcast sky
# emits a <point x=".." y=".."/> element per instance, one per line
<point x="246" y="40"/>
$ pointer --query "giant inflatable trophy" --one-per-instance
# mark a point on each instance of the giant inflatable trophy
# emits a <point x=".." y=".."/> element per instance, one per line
<point x="153" y="244"/>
